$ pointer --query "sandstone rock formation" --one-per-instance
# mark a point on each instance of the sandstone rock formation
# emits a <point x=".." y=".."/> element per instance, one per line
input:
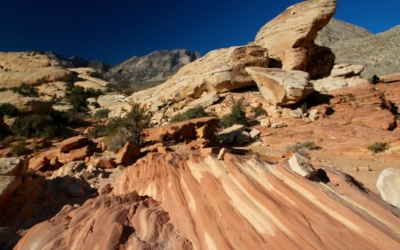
<point x="126" y="221"/>
<point x="337" y="31"/>
<point x="290" y="36"/>
<point x="32" y="105"/>
<point x="220" y="70"/>
<point x="388" y="186"/>
<point x="281" y="87"/>
<point x="272" y="204"/>
<point x="153" y="68"/>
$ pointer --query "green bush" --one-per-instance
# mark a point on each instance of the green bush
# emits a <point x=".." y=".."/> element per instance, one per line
<point x="258" y="111"/>
<point x="26" y="90"/>
<point x="77" y="97"/>
<point x="10" y="139"/>
<point x="236" y="116"/>
<point x="101" y="113"/>
<point x="128" y="92"/>
<point x="8" y="109"/>
<point x="377" y="147"/>
<point x="48" y="126"/>
<point x="20" y="149"/>
<point x="192" y="113"/>
<point x="298" y="147"/>
<point x="351" y="96"/>
<point x="119" y="130"/>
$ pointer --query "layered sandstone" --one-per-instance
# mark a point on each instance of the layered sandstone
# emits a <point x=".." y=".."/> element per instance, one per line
<point x="220" y="70"/>
<point x="290" y="36"/>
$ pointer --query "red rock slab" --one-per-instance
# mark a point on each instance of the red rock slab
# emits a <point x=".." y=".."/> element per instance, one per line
<point x="128" y="153"/>
<point x="73" y="143"/>
<point x="75" y="155"/>
<point x="244" y="203"/>
<point x="42" y="160"/>
<point x="390" y="78"/>
<point x="125" y="221"/>
<point x="104" y="163"/>
<point x="178" y="131"/>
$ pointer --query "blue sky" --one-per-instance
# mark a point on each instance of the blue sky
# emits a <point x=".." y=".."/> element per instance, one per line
<point x="115" y="31"/>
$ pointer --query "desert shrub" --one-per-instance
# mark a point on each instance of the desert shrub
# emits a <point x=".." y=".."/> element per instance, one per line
<point x="20" y="149"/>
<point x="10" y="139"/>
<point x="55" y="99"/>
<point x="299" y="146"/>
<point x="236" y="116"/>
<point x="304" y="108"/>
<point x="3" y="89"/>
<point x="101" y="113"/>
<point x="119" y="130"/>
<point x="258" y="111"/>
<point x="351" y="96"/>
<point x="377" y="147"/>
<point x="397" y="116"/>
<point x="36" y="125"/>
<point x="127" y="92"/>
<point x="374" y="79"/>
<point x="26" y="90"/>
<point x="8" y="109"/>
<point x="77" y="97"/>
<point x="192" y="113"/>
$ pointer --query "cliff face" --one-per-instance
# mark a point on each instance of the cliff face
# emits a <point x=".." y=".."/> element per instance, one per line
<point x="155" y="67"/>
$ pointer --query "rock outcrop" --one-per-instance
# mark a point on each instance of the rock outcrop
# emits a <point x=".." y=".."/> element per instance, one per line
<point x="281" y="87"/>
<point x="126" y="221"/>
<point x="32" y="105"/>
<point x="388" y="185"/>
<point x="220" y="70"/>
<point x="290" y="36"/>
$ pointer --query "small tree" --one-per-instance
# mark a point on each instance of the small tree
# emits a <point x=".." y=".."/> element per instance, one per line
<point x="237" y="116"/>
<point x="77" y="97"/>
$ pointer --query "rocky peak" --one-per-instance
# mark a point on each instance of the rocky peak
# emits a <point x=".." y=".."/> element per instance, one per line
<point x="154" y="67"/>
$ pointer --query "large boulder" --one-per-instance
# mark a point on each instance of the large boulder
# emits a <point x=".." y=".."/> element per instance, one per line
<point x="220" y="70"/>
<point x="13" y="166"/>
<point x="281" y="87"/>
<point x="388" y="185"/>
<point x="290" y="36"/>
<point x="73" y="143"/>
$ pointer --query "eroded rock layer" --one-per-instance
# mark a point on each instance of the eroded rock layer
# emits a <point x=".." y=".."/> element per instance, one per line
<point x="126" y="221"/>
<point x="244" y="203"/>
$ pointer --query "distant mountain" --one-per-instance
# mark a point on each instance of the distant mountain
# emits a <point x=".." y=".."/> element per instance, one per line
<point x="379" y="54"/>
<point x="151" y="69"/>
<point x="77" y="62"/>
<point x="337" y="30"/>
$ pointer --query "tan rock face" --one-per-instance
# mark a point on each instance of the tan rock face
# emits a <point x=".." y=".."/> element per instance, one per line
<point x="32" y="105"/>
<point x="220" y="70"/>
<point x="255" y="205"/>
<point x="281" y="87"/>
<point x="125" y="221"/>
<point x="290" y="37"/>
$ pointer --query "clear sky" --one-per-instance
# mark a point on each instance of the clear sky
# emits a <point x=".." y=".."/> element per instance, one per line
<point x="113" y="31"/>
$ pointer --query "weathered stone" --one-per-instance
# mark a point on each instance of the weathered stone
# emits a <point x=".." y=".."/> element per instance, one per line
<point x="265" y="122"/>
<point x="222" y="152"/>
<point x="254" y="133"/>
<point x="290" y="37"/>
<point x="104" y="163"/>
<point x="278" y="125"/>
<point x="128" y="153"/>
<point x="8" y="184"/>
<point x="73" y="143"/>
<point x="388" y="185"/>
<point x="13" y="166"/>
<point x="302" y="165"/>
<point x="228" y="135"/>
<point x="281" y="87"/>
<point x="341" y="72"/>
<point x="69" y="169"/>
<point x="313" y="115"/>
<point x="243" y="137"/>
<point x="297" y="113"/>
<point x="78" y="154"/>
<point x="75" y="191"/>
<point x="207" y="151"/>
<point x="205" y="100"/>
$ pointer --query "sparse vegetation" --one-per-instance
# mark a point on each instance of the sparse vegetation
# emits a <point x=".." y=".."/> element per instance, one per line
<point x="351" y="96"/>
<point x="236" y="116"/>
<point x="191" y="113"/>
<point x="10" y="139"/>
<point x="26" y="90"/>
<point x="48" y="126"/>
<point x="20" y="149"/>
<point x="304" y="108"/>
<point x="123" y="129"/>
<point x="377" y="147"/>
<point x="258" y="111"/>
<point x="374" y="79"/>
<point x="101" y="113"/>
<point x="298" y="147"/>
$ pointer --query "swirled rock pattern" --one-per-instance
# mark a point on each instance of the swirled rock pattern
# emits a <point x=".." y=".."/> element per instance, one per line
<point x="244" y="203"/>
